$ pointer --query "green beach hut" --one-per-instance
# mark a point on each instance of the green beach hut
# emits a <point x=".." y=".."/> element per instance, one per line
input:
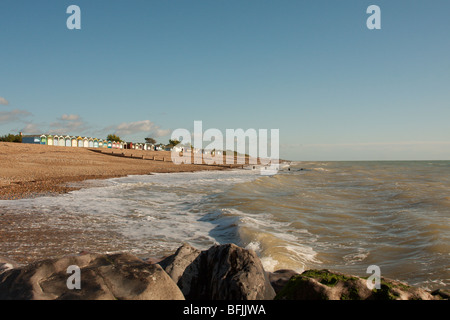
<point x="43" y="139"/>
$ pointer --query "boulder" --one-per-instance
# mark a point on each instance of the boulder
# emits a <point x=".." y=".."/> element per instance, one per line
<point x="441" y="294"/>
<point x="280" y="278"/>
<point x="103" y="277"/>
<point x="175" y="264"/>
<point x="327" y="285"/>
<point x="223" y="272"/>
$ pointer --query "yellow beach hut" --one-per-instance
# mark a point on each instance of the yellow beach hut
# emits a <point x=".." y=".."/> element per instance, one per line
<point x="49" y="140"/>
<point x="73" y="141"/>
<point x="80" y="142"/>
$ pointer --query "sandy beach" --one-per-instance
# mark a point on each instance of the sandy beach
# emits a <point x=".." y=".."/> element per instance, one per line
<point x="29" y="170"/>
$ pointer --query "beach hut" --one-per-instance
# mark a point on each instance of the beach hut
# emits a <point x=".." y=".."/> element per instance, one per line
<point x="85" y="142"/>
<point x="80" y="142"/>
<point x="91" y="142"/>
<point x="100" y="143"/>
<point x="121" y="145"/>
<point x="43" y="139"/>
<point x="149" y="146"/>
<point x="56" y="140"/>
<point x="96" y="143"/>
<point x="74" y="142"/>
<point x="68" y="141"/>
<point x="49" y="140"/>
<point x="105" y="144"/>
<point x="109" y="144"/>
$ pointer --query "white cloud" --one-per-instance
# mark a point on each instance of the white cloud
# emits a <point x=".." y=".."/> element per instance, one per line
<point x="3" y="101"/>
<point x="69" y="117"/>
<point x="31" y="128"/>
<point x="14" y="115"/>
<point x="144" y="126"/>
<point x="69" y="124"/>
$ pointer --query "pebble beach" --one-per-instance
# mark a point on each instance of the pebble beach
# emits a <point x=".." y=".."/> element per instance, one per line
<point x="28" y="170"/>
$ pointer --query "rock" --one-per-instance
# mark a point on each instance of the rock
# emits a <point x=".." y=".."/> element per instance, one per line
<point x="327" y="285"/>
<point x="280" y="278"/>
<point x="441" y="294"/>
<point x="175" y="264"/>
<point x="223" y="272"/>
<point x="7" y="264"/>
<point x="103" y="277"/>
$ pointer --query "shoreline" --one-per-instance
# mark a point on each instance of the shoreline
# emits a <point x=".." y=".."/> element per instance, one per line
<point x="30" y="171"/>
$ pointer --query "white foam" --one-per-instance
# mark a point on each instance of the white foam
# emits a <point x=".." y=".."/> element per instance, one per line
<point x="269" y="264"/>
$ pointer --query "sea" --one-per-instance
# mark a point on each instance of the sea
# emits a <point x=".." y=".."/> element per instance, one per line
<point x="341" y="216"/>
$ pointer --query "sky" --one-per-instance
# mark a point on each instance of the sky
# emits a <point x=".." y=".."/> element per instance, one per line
<point x="312" y="69"/>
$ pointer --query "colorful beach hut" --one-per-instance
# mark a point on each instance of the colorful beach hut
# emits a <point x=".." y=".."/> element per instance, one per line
<point x="80" y="142"/>
<point x="43" y="139"/>
<point x="73" y="142"/>
<point x="49" y="140"/>
<point x="96" y="143"/>
<point x="109" y="144"/>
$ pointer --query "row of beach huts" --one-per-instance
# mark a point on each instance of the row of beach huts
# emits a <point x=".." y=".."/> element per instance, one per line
<point x="86" y="142"/>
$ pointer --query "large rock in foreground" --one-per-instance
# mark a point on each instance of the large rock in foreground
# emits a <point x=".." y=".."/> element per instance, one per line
<point x="223" y="272"/>
<point x="103" y="277"/>
<point x="327" y="285"/>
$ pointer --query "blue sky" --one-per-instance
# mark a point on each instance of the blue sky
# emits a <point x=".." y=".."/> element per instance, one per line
<point x="335" y="89"/>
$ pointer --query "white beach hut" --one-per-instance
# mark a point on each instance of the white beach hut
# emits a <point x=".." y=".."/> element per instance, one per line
<point x="85" y="142"/>
<point x="61" y="141"/>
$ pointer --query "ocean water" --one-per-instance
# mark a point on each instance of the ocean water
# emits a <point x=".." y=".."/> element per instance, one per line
<point x="342" y="216"/>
